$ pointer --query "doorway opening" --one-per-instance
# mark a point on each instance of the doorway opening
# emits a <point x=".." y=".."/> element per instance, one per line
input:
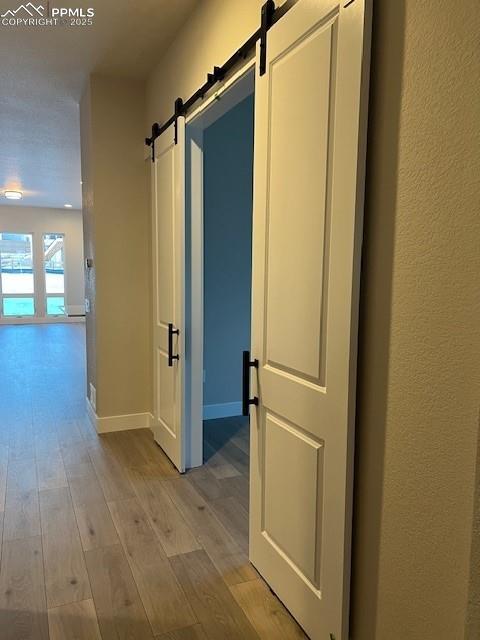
<point x="228" y="184"/>
<point x="227" y="272"/>
<point x="218" y="292"/>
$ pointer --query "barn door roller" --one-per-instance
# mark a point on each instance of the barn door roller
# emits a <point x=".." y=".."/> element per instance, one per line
<point x="269" y="16"/>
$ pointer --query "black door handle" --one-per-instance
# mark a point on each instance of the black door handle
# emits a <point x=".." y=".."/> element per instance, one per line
<point x="246" y="400"/>
<point x="171" y="333"/>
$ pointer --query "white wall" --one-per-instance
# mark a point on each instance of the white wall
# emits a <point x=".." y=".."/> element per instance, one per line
<point x="38" y="221"/>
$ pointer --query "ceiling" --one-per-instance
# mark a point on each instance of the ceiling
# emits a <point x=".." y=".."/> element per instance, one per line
<point x="43" y="73"/>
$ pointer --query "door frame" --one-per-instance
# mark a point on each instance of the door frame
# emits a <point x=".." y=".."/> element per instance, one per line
<point x="236" y="88"/>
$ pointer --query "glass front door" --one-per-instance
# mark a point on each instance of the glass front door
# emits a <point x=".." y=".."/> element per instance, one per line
<point x="17" y="282"/>
<point x="32" y="276"/>
<point x="54" y="264"/>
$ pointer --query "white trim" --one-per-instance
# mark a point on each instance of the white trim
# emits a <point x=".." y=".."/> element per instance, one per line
<point x="75" y="309"/>
<point x="13" y="320"/>
<point x="225" y="410"/>
<point x="118" y="423"/>
<point x="233" y="81"/>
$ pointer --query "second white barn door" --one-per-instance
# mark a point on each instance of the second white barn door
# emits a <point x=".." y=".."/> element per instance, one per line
<point x="307" y="225"/>
<point x="168" y="248"/>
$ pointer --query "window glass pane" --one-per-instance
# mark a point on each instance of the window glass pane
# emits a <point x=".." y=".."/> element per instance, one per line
<point x="16" y="262"/>
<point x="55" y="306"/>
<point x="18" y="307"/>
<point x="53" y="250"/>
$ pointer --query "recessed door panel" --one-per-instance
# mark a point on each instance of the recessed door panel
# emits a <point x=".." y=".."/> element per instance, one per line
<point x="292" y="502"/>
<point x="310" y="109"/>
<point x="168" y="283"/>
<point x="297" y="219"/>
<point x="165" y="238"/>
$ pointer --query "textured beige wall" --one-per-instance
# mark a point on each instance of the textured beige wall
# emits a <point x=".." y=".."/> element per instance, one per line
<point x="118" y="237"/>
<point x="419" y="385"/>
<point x="473" y="611"/>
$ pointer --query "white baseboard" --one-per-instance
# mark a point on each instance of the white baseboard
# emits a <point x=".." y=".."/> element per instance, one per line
<point x="75" y="310"/>
<point x="225" y="410"/>
<point x="118" y="423"/>
<point x="44" y="320"/>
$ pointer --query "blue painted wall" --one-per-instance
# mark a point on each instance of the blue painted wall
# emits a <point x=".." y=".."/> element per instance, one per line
<point x="228" y="186"/>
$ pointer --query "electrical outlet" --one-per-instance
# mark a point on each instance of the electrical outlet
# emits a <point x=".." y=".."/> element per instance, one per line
<point x="93" y="396"/>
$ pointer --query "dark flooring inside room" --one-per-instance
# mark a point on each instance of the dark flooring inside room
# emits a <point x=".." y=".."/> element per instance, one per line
<point x="101" y="536"/>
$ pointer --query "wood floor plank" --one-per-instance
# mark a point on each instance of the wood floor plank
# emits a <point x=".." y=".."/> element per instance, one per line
<point x="206" y="483"/>
<point x="123" y="450"/>
<point x="3" y="474"/>
<point x="75" y="621"/>
<point x="23" y="612"/>
<point x="21" y="476"/>
<point x="84" y="485"/>
<point x="86" y="429"/>
<point x="114" y="481"/>
<point x="95" y="525"/>
<point x="142" y="441"/>
<point x="242" y="441"/>
<point x="190" y="633"/>
<point x="75" y="453"/>
<point x="80" y="470"/>
<point x="120" y="612"/>
<point x="50" y="471"/>
<point x="22" y="515"/>
<point x="68" y="433"/>
<point x="153" y="453"/>
<point x="137" y="449"/>
<point x="265" y="611"/>
<point x="166" y="520"/>
<point x="234" y="518"/>
<point x="238" y="488"/>
<point x="212" y="602"/>
<point x="66" y="578"/>
<point x="42" y="413"/>
<point x="222" y="549"/>
<point x="2" y="518"/>
<point x="164" y="601"/>
<point x="21" y="448"/>
<point x="236" y="457"/>
<point x="219" y="466"/>
<point x="46" y="444"/>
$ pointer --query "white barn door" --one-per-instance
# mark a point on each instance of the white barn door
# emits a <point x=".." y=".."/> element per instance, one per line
<point x="168" y="237"/>
<point x="308" y="199"/>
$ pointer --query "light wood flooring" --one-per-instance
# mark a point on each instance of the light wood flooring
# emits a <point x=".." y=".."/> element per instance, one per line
<point x="102" y="538"/>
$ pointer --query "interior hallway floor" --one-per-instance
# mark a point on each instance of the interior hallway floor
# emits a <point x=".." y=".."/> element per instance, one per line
<point x="102" y="537"/>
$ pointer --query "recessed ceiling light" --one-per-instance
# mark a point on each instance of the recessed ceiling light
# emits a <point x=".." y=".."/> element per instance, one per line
<point x="13" y="195"/>
<point x="68" y="206"/>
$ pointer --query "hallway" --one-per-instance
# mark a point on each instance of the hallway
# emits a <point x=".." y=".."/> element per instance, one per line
<point x="102" y="538"/>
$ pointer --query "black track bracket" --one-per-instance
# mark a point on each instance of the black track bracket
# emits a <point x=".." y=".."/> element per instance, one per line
<point x="179" y="111"/>
<point x="151" y="141"/>
<point x="269" y="16"/>
<point x="268" y="11"/>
